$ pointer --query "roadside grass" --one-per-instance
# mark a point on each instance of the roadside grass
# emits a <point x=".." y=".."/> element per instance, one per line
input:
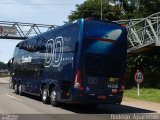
<point x="4" y="75"/>
<point x="148" y="94"/>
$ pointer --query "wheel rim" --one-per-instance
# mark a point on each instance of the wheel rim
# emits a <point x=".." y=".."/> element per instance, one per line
<point x="10" y="84"/>
<point x="53" y="96"/>
<point x="44" y="95"/>
<point x="20" y="88"/>
<point x="15" y="88"/>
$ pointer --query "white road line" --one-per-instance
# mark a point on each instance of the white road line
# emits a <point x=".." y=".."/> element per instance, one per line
<point x="13" y="97"/>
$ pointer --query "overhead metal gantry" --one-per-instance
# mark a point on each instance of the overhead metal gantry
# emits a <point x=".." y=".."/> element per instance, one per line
<point x="143" y="33"/>
<point x="23" y="30"/>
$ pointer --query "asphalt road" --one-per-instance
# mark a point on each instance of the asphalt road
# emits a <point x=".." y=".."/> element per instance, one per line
<point x="31" y="108"/>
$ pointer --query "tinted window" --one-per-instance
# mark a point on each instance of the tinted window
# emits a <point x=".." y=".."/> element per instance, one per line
<point x="71" y="36"/>
<point x="16" y="51"/>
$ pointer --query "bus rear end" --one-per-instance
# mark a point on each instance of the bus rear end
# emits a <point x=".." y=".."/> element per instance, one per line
<point x="100" y="76"/>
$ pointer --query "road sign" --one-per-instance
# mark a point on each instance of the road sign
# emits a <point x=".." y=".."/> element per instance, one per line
<point x="139" y="76"/>
<point x="8" y="30"/>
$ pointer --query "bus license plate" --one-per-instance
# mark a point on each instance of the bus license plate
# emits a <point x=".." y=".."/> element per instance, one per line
<point x="112" y="85"/>
<point x="101" y="97"/>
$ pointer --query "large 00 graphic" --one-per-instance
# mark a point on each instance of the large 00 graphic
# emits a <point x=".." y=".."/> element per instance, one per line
<point x="54" y="52"/>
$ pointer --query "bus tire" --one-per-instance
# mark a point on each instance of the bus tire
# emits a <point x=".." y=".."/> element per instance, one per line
<point x="94" y="105"/>
<point x="119" y="103"/>
<point x="16" y="88"/>
<point x="20" y="90"/>
<point x="53" y="98"/>
<point x="45" y="97"/>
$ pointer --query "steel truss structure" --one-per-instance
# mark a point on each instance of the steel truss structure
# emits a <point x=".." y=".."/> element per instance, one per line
<point x="143" y="33"/>
<point x="25" y="30"/>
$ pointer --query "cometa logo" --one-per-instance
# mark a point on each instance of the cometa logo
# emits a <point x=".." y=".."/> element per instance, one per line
<point x="54" y="52"/>
<point x="26" y="60"/>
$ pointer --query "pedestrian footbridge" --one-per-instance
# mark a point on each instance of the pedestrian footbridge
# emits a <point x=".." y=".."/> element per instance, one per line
<point x="143" y="34"/>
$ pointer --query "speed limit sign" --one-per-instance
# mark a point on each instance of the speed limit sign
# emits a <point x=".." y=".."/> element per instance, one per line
<point x="139" y="76"/>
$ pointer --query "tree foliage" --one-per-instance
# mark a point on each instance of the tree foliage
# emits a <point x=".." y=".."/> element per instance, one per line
<point x="92" y="9"/>
<point x="149" y="63"/>
<point x="3" y="66"/>
<point x="148" y="7"/>
<point x="115" y="9"/>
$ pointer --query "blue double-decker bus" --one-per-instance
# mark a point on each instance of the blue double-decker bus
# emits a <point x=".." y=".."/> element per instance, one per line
<point x="81" y="62"/>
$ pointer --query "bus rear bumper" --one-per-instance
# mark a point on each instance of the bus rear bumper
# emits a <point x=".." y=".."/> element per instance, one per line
<point x="95" y="99"/>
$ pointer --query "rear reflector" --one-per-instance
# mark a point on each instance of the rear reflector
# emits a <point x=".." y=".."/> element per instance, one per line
<point x="102" y="97"/>
<point x="114" y="90"/>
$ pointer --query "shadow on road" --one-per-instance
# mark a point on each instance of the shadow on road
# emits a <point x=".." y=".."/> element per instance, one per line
<point x="100" y="109"/>
<point x="105" y="109"/>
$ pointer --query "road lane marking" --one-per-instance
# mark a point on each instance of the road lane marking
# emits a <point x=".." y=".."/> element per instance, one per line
<point x="13" y="97"/>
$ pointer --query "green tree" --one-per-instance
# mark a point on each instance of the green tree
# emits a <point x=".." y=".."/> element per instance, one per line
<point x="149" y="63"/>
<point x="3" y="66"/>
<point x="128" y="8"/>
<point x="92" y="9"/>
<point x="115" y="9"/>
<point x="148" y="7"/>
<point x="112" y="9"/>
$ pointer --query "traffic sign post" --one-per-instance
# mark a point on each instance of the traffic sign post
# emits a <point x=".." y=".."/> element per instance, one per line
<point x="138" y="77"/>
<point x="138" y="88"/>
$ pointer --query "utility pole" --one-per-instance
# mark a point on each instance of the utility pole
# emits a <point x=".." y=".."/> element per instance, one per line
<point x="101" y="10"/>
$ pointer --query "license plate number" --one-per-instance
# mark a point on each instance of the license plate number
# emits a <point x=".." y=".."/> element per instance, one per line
<point x="112" y="85"/>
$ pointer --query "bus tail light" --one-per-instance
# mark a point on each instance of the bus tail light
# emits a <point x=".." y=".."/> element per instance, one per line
<point x="78" y="81"/>
<point x="87" y="19"/>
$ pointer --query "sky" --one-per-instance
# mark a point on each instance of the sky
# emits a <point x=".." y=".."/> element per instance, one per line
<point x="52" y="12"/>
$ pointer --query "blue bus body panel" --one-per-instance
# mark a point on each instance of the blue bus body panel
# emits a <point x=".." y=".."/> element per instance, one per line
<point x="47" y="59"/>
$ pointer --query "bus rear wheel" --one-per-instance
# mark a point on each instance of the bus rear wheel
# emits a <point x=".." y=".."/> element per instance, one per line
<point x="53" y="98"/>
<point x="94" y="105"/>
<point x="45" y="97"/>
